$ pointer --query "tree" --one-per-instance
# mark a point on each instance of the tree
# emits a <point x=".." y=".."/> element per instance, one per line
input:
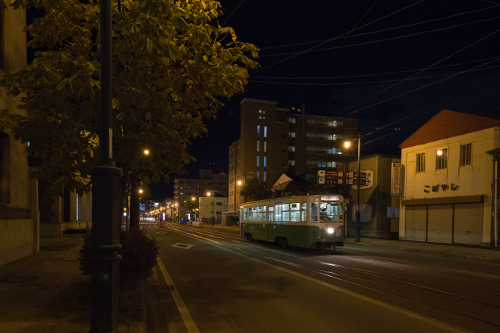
<point x="255" y="190"/>
<point x="173" y="66"/>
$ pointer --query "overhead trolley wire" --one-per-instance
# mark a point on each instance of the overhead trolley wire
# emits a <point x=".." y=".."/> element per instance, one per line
<point x="406" y="79"/>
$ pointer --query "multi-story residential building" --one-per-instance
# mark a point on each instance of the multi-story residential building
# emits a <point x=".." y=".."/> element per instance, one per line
<point x="208" y="182"/>
<point x="19" y="226"/>
<point x="275" y="140"/>
<point x="450" y="180"/>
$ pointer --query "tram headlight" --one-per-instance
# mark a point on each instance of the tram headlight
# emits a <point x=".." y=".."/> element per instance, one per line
<point x="330" y="231"/>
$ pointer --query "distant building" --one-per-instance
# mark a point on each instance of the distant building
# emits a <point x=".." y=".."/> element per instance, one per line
<point x="379" y="198"/>
<point x="19" y="224"/>
<point x="208" y="182"/>
<point x="275" y="140"/>
<point x="212" y="208"/>
<point x="450" y="181"/>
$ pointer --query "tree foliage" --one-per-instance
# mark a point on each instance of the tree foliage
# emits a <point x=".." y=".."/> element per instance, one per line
<point x="173" y="65"/>
<point x="255" y="190"/>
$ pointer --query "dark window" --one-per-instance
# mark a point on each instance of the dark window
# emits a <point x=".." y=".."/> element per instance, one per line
<point x="420" y="167"/>
<point x="466" y="154"/>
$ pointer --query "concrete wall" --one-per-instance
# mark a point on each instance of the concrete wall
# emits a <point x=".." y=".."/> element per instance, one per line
<point x="16" y="239"/>
<point x="18" y="206"/>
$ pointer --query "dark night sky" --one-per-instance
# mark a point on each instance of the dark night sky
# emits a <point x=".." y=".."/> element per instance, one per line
<point x="391" y="64"/>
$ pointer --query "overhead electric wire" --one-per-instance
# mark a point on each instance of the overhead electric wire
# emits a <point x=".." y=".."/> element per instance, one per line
<point x="428" y="67"/>
<point x="379" y="19"/>
<point x="383" y="30"/>
<point x="359" y="82"/>
<point x="234" y="11"/>
<point x="431" y="108"/>
<point x="332" y="55"/>
<point x="372" y="74"/>
<point x="383" y="39"/>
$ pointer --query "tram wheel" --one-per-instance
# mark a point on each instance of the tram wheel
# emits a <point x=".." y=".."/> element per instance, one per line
<point x="282" y="242"/>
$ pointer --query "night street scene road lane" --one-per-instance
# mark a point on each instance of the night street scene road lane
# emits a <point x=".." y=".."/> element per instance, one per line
<point x="228" y="284"/>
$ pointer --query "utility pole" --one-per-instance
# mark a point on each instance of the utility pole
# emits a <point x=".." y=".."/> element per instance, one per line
<point x="106" y="212"/>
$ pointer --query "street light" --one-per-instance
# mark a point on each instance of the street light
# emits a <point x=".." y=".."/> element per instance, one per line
<point x="238" y="183"/>
<point x="213" y="203"/>
<point x="347" y="144"/>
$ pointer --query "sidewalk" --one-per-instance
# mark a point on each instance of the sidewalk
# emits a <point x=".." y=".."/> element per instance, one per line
<point x="488" y="255"/>
<point x="47" y="293"/>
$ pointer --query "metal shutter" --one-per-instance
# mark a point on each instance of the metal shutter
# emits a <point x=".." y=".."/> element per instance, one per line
<point x="415" y="223"/>
<point x="440" y="220"/>
<point x="468" y="223"/>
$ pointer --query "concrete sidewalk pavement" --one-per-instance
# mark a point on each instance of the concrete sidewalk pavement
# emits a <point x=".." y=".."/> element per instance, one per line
<point x="488" y="255"/>
<point x="47" y="293"/>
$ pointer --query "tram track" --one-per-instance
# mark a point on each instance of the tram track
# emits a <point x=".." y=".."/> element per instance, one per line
<point x="368" y="280"/>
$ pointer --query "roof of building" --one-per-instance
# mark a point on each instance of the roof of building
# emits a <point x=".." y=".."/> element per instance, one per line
<point x="447" y="124"/>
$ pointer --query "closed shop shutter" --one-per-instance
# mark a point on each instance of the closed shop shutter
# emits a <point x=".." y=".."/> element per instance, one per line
<point x="440" y="220"/>
<point x="468" y="223"/>
<point x="415" y="223"/>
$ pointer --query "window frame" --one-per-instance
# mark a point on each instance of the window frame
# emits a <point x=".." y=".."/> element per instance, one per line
<point x="465" y="154"/>
<point x="442" y="160"/>
<point x="420" y="162"/>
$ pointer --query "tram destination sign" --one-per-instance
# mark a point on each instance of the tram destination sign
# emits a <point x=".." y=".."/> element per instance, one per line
<point x="327" y="177"/>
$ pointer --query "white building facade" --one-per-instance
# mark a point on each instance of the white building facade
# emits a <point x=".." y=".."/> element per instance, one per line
<point x="449" y="176"/>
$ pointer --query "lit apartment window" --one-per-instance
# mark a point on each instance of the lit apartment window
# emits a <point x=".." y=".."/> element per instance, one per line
<point x="466" y="154"/>
<point x="291" y="120"/>
<point x="265" y="161"/>
<point x="265" y="146"/>
<point x="258" y="159"/>
<point x="258" y="130"/>
<point x="291" y="162"/>
<point x="291" y="134"/>
<point x="442" y="158"/>
<point x="291" y="148"/>
<point x="258" y="146"/>
<point x="265" y="131"/>
<point x="420" y="167"/>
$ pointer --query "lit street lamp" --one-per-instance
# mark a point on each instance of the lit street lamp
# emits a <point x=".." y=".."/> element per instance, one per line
<point x="347" y="144"/>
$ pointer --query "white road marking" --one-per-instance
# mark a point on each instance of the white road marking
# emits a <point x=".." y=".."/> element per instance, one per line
<point x="186" y="316"/>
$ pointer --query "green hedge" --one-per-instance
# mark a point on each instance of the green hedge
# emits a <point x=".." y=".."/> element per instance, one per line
<point x="138" y="253"/>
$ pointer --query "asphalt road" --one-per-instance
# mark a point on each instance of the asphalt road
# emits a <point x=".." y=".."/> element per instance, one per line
<point x="211" y="280"/>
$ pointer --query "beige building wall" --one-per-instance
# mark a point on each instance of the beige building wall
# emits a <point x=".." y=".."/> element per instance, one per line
<point x="469" y="183"/>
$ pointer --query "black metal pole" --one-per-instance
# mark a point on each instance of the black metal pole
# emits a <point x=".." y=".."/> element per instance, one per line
<point x="106" y="212"/>
<point x="358" y="213"/>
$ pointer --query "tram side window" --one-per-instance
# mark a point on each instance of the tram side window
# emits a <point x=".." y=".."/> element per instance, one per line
<point x="295" y="212"/>
<point x="246" y="214"/>
<point x="286" y="212"/>
<point x="314" y="212"/>
<point x="303" y="212"/>
<point x="270" y="214"/>
<point x="262" y="213"/>
<point x="277" y="213"/>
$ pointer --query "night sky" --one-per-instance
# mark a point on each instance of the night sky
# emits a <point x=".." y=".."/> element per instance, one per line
<point x="391" y="64"/>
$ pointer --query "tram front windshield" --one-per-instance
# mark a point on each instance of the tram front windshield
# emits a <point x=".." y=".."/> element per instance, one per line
<point x="330" y="212"/>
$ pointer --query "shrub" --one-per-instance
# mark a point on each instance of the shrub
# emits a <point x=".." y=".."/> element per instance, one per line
<point x="138" y="253"/>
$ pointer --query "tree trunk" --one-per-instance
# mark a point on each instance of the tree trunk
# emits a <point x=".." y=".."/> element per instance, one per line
<point x="134" y="207"/>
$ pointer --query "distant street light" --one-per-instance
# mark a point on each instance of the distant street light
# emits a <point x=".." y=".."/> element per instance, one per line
<point x="347" y="144"/>
<point x="146" y="151"/>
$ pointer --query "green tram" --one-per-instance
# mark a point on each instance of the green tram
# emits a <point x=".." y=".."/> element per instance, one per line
<point x="311" y="222"/>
